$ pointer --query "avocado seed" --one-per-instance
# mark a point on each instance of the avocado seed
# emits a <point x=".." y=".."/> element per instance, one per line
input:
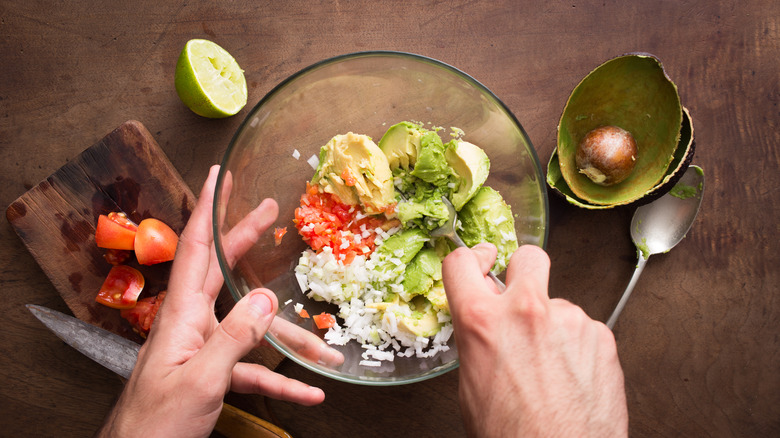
<point x="606" y="155"/>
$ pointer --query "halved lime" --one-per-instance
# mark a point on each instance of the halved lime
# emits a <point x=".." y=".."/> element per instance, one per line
<point x="209" y="81"/>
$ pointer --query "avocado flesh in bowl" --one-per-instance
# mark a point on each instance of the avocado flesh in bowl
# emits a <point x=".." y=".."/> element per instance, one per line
<point x="633" y="93"/>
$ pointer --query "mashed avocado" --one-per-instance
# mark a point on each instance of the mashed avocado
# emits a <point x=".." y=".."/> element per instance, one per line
<point x="354" y="169"/>
<point x="431" y="165"/>
<point x="421" y="174"/>
<point x="419" y="203"/>
<point x="487" y="218"/>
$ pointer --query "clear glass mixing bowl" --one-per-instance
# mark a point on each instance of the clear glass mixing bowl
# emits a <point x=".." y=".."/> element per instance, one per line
<point x="364" y="93"/>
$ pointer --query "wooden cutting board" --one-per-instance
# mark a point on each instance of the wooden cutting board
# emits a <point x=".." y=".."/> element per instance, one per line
<point x="125" y="171"/>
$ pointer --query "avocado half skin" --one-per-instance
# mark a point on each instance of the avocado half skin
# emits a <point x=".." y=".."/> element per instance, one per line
<point x="634" y="93"/>
<point x="682" y="158"/>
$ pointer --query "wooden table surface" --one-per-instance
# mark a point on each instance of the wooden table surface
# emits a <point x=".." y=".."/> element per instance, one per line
<point x="700" y="338"/>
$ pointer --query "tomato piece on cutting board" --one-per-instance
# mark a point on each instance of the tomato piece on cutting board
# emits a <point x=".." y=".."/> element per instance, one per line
<point x="121" y="287"/>
<point x="142" y="315"/>
<point x="117" y="256"/>
<point x="115" y="231"/>
<point x="155" y="242"/>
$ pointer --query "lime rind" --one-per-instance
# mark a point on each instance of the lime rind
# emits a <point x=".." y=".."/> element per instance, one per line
<point x="209" y="81"/>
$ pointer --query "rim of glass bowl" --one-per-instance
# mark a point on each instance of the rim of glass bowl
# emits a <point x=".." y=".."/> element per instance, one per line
<point x="215" y="220"/>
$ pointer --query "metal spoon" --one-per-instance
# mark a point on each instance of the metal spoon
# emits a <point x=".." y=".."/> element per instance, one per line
<point x="660" y="225"/>
<point x="448" y="230"/>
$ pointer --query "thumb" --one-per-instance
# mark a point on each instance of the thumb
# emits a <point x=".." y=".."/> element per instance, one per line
<point x="240" y="331"/>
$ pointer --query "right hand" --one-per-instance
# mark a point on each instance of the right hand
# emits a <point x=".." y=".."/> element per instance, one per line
<point x="530" y="365"/>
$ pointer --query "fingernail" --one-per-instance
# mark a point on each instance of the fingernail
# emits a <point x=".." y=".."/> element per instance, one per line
<point x="262" y="303"/>
<point x="483" y="246"/>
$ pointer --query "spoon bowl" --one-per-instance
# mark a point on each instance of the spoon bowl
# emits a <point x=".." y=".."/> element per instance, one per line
<point x="660" y="225"/>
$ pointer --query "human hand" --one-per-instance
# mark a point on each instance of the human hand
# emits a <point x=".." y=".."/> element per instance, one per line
<point x="190" y="360"/>
<point x="530" y="365"/>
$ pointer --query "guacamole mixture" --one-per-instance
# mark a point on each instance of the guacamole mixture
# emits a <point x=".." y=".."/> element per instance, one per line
<point x="367" y="215"/>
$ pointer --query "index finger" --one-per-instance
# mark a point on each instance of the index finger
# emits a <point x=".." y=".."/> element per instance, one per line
<point x="194" y="249"/>
<point x="463" y="278"/>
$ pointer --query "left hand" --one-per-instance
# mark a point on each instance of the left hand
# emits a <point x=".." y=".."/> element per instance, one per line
<point x="190" y="360"/>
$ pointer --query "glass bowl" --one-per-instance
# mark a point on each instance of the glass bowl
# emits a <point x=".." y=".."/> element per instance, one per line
<point x="365" y="93"/>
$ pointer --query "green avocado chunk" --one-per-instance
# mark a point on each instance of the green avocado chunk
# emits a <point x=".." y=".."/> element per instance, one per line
<point x="401" y="144"/>
<point x="421" y="174"/>
<point x="487" y="218"/>
<point x="438" y="297"/>
<point x="421" y="318"/>
<point x="421" y="272"/>
<point x="425" y="210"/>
<point x="403" y="245"/>
<point x="471" y="167"/>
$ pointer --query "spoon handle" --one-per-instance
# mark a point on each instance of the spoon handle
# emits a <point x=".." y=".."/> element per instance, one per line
<point x="619" y="308"/>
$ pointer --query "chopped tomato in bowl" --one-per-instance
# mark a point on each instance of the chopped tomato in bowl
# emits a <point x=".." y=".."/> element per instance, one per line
<point x="324" y="320"/>
<point x="278" y="234"/>
<point x="324" y="221"/>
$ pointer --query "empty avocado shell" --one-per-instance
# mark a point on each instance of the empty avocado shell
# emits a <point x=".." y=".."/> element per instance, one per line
<point x="631" y="92"/>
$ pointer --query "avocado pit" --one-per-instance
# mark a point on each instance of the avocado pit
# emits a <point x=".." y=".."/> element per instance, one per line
<point x="606" y="155"/>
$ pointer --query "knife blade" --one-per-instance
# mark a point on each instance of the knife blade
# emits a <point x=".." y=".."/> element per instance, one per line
<point x="120" y="355"/>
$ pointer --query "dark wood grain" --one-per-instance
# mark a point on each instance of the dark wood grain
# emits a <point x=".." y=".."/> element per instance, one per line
<point x="700" y="337"/>
<point x="126" y="172"/>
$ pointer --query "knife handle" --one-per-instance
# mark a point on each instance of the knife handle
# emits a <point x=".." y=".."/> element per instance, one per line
<point x="235" y="423"/>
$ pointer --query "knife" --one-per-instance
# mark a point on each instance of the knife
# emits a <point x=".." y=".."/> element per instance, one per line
<point x="119" y="355"/>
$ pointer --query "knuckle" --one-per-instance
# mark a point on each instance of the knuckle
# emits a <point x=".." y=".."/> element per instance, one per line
<point x="531" y="308"/>
<point x="238" y="333"/>
<point x="477" y="318"/>
<point x="210" y="389"/>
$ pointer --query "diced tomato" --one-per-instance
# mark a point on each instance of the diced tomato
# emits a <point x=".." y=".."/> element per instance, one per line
<point x="324" y="320"/>
<point x="323" y="221"/>
<point x="121" y="287"/>
<point x="117" y="256"/>
<point x="115" y="231"/>
<point x="142" y="315"/>
<point x="303" y="313"/>
<point x="349" y="180"/>
<point x="155" y="242"/>
<point x="278" y="234"/>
